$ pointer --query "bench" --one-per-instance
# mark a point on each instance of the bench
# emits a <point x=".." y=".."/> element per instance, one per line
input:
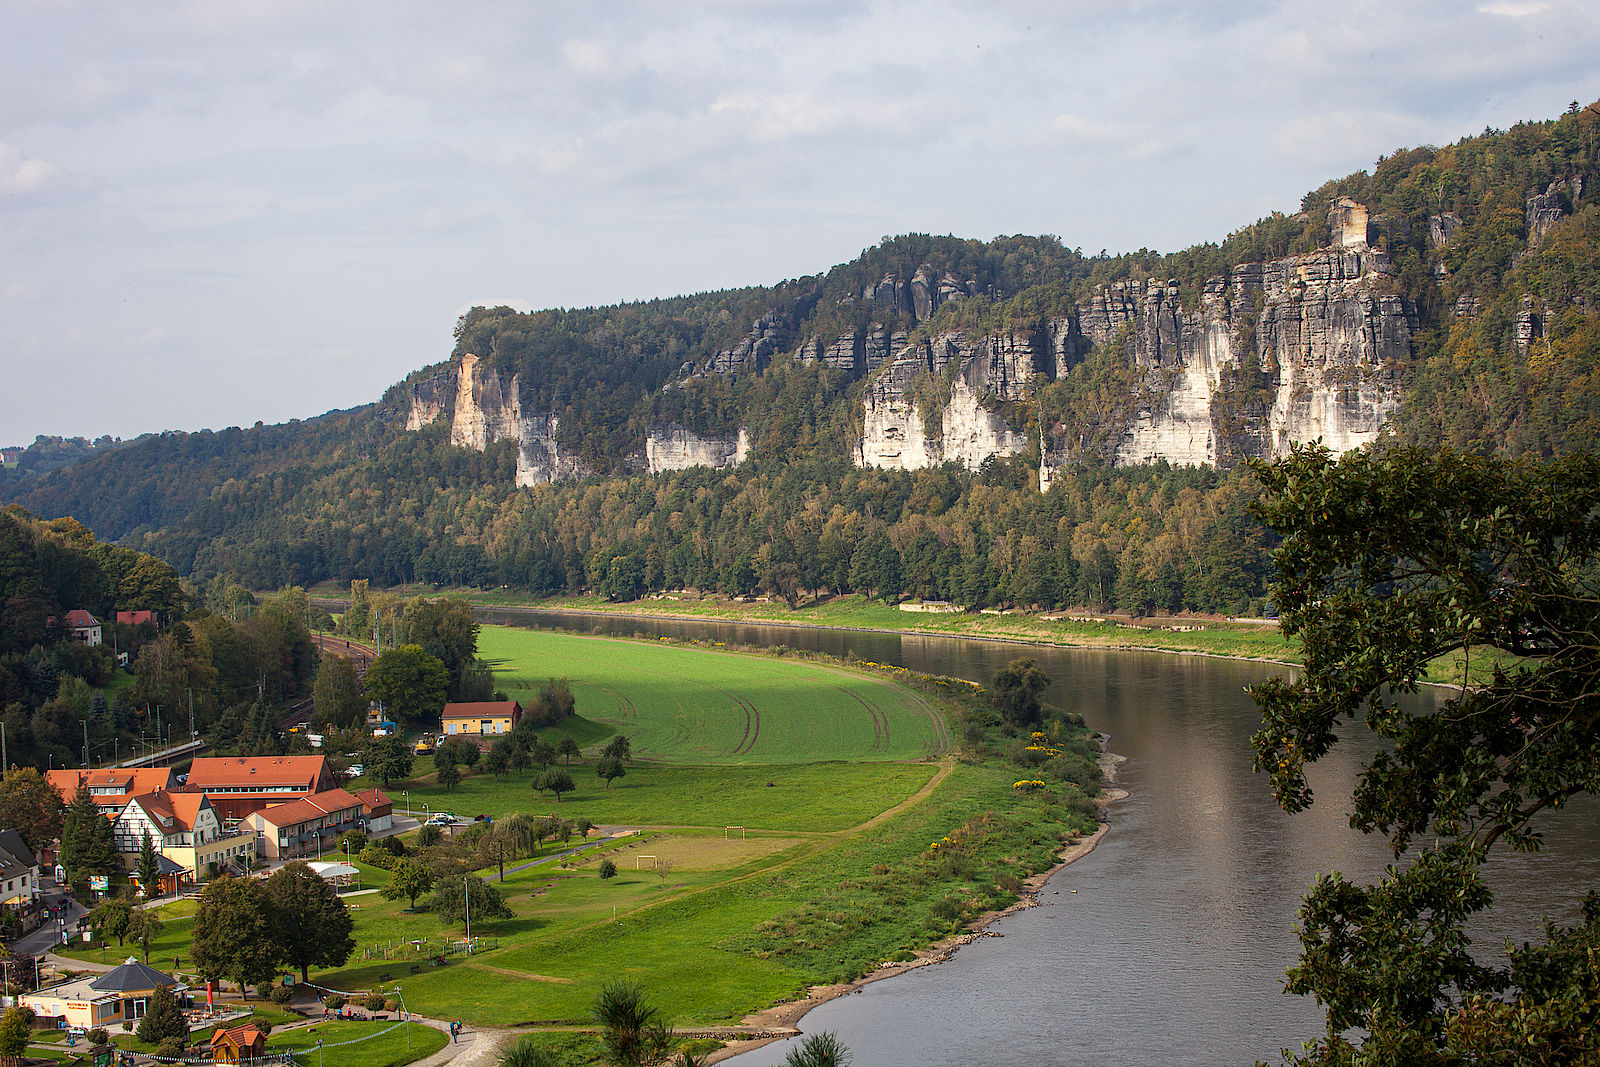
<point x="385" y="977"/>
<point x="416" y="968"/>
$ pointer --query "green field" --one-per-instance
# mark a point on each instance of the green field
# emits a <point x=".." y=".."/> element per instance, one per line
<point x="685" y="706"/>
<point x="857" y="847"/>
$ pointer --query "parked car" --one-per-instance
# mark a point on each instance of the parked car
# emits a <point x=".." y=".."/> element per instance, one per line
<point x="356" y="770"/>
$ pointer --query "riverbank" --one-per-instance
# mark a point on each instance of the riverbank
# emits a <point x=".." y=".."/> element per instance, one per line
<point x="1249" y="639"/>
<point x="781" y="1021"/>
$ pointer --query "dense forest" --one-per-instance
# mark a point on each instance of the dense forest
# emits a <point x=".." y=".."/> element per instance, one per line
<point x="1494" y="240"/>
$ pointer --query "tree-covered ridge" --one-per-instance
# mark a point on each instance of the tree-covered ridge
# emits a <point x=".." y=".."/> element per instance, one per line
<point x="1495" y="253"/>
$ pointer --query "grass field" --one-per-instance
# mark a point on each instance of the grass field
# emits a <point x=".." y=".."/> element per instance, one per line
<point x="688" y="706"/>
<point x="388" y="1050"/>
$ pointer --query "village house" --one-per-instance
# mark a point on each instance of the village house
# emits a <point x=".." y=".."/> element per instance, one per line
<point x="305" y="827"/>
<point x="483" y="718"/>
<point x="83" y="627"/>
<point x="112" y="787"/>
<point x="377" y="809"/>
<point x="242" y="1044"/>
<point x="138" y="618"/>
<point x="123" y="994"/>
<point x="19" y="880"/>
<point x="187" y="832"/>
<point x="237" y="786"/>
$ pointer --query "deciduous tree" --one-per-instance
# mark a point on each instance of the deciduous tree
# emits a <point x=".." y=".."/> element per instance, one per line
<point x="450" y="900"/>
<point x="30" y="805"/>
<point x="1391" y="563"/>
<point x="412" y="878"/>
<point x="233" y="933"/>
<point x="410" y="683"/>
<point x="311" y="924"/>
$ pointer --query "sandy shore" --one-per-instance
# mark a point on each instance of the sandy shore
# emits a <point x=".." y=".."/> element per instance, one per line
<point x="779" y="1021"/>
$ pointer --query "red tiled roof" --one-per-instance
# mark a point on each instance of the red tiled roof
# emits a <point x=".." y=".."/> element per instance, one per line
<point x="239" y="1037"/>
<point x="308" y="808"/>
<point x="135" y="618"/>
<point x="181" y="808"/>
<point x="481" y="709"/>
<point x="77" y="617"/>
<point x="289" y="772"/>
<point x="374" y="798"/>
<point x="128" y="781"/>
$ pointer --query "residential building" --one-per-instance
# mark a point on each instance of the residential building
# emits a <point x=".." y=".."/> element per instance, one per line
<point x="377" y="809"/>
<point x="483" y="718"/>
<point x="187" y="831"/>
<point x="113" y="787"/>
<point x="123" y="994"/>
<point x="19" y="880"/>
<point x="237" y="786"/>
<point x="306" y="827"/>
<point x="142" y="617"/>
<point x="242" y="1044"/>
<point x="83" y="627"/>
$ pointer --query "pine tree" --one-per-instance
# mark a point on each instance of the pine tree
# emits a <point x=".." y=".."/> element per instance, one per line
<point x="86" y="843"/>
<point x="149" y="869"/>
<point x="164" y="1019"/>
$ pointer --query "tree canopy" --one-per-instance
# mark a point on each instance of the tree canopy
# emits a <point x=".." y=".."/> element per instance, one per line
<point x="233" y="934"/>
<point x="1390" y="564"/>
<point x="310" y="924"/>
<point x="410" y="683"/>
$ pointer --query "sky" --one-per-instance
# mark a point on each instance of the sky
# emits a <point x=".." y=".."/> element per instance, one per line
<point x="224" y="211"/>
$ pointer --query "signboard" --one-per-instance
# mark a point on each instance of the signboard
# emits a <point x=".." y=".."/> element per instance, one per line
<point x="101" y="882"/>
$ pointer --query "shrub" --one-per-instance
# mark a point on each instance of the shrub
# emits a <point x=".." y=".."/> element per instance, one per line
<point x="428" y="836"/>
<point x="171" y="1048"/>
<point x="947" y="910"/>
<point x="98" y="1036"/>
<point x="334" y="1001"/>
<point x="374" y="1002"/>
<point x="1009" y="883"/>
<point x="264" y="990"/>
<point x="391" y="1005"/>
<point x="281" y="994"/>
<point x="378" y="857"/>
<point x="356" y="839"/>
<point x="608" y="869"/>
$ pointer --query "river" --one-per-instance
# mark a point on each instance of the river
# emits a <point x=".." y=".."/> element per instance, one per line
<point x="1167" y="943"/>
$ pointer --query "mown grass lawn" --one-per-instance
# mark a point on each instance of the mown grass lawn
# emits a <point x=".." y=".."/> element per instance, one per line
<point x="693" y="706"/>
<point x="803" y="797"/>
<point x="372" y="1048"/>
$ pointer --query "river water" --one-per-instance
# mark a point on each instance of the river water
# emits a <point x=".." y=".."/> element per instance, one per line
<point x="1167" y="943"/>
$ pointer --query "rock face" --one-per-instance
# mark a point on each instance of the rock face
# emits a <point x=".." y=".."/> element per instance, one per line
<point x="1270" y="354"/>
<point x="484" y="408"/>
<point x="991" y="371"/>
<point x="1545" y="209"/>
<point x="673" y="448"/>
<point x="1274" y="353"/>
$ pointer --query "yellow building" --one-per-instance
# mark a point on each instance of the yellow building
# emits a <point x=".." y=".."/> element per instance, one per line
<point x="484" y="718"/>
<point x="121" y="994"/>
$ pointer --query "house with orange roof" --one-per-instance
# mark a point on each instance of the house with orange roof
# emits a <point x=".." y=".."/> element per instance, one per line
<point x="377" y="809"/>
<point x="242" y="1044"/>
<point x="112" y="787"/>
<point x="240" y="785"/>
<point x="142" y="617"/>
<point x="186" y="830"/>
<point x="305" y="827"/>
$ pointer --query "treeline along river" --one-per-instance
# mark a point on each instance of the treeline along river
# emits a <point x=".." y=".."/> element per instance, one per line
<point x="1168" y="943"/>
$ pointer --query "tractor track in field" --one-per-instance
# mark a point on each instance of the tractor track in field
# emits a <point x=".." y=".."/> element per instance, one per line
<point x="880" y="719"/>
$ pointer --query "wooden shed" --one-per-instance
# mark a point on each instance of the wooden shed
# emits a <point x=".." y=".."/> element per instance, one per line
<point x="239" y="1045"/>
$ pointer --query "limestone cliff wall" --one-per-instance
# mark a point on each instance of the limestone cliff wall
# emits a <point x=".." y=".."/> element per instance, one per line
<point x="484" y="407"/>
<point x="992" y="370"/>
<point x="673" y="448"/>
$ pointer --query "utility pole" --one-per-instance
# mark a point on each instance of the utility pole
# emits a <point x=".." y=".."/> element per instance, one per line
<point x="4" y="763"/>
<point x="85" y="744"/>
<point x="466" y="903"/>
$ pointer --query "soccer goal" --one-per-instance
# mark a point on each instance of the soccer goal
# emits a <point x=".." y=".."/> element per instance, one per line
<point x="638" y="862"/>
<point x="727" y="832"/>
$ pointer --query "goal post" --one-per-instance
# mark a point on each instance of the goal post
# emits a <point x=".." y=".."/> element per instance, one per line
<point x="638" y="864"/>
<point x="727" y="832"/>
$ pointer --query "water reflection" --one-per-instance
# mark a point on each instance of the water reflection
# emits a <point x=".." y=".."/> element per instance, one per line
<point x="1169" y="942"/>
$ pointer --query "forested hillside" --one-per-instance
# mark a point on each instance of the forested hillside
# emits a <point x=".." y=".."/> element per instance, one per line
<point x="1490" y="247"/>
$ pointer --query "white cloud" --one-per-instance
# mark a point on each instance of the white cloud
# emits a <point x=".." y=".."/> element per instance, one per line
<point x="23" y="174"/>
<point x="782" y="116"/>
<point x="1514" y="9"/>
<point x="586" y="57"/>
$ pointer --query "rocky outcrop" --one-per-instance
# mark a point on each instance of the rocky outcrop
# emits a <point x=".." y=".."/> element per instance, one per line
<point x="770" y="334"/>
<point x="1546" y="209"/>
<point x="673" y="448"/>
<point x="484" y="407"/>
<point x="974" y="377"/>
<point x="1292" y="350"/>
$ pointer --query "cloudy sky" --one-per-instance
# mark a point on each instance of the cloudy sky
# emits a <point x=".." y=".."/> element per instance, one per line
<point x="223" y="211"/>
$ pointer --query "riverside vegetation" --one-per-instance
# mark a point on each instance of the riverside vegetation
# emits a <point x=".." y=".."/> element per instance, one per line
<point x="842" y="859"/>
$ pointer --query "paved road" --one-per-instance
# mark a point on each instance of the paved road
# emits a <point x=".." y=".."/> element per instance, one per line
<point x="48" y="936"/>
